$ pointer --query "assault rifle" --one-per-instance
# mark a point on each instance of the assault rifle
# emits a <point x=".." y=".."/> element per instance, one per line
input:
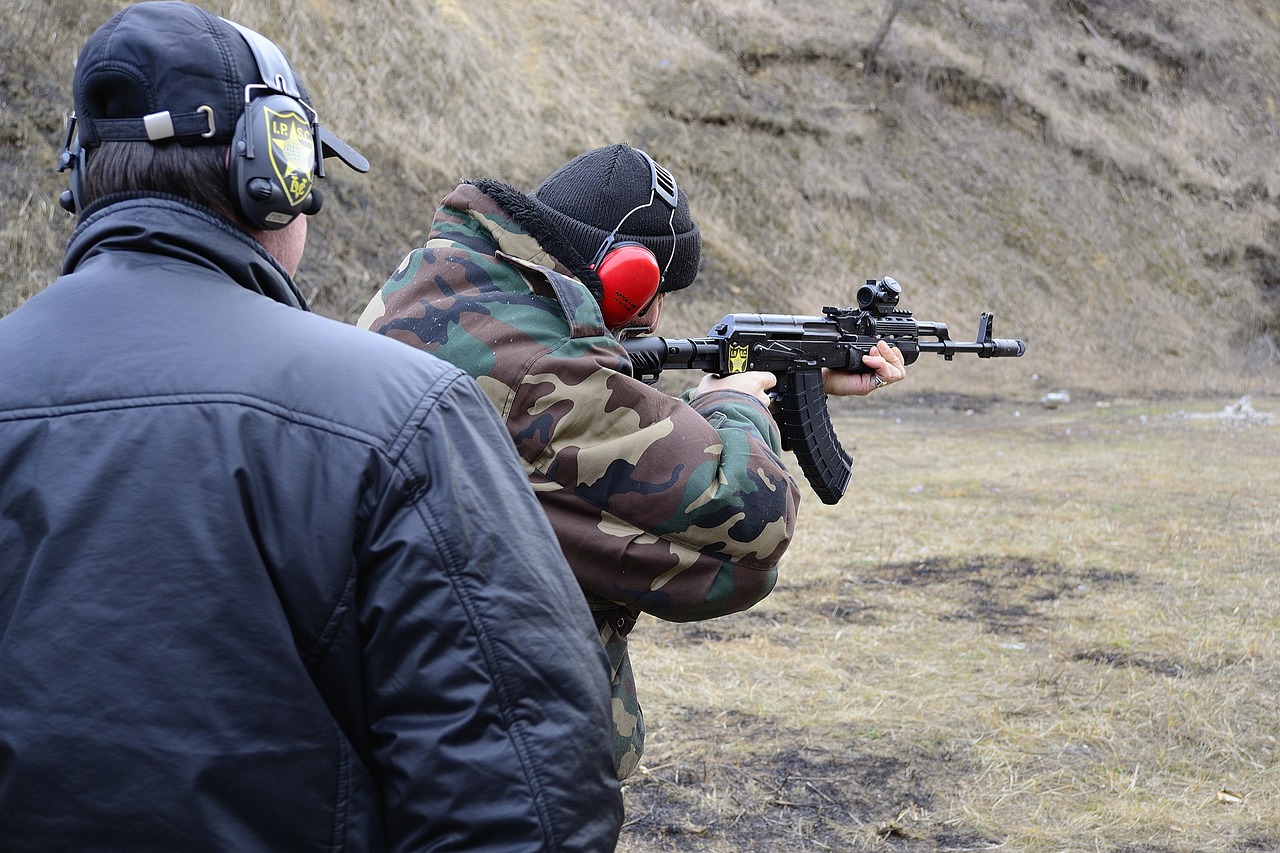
<point x="796" y="348"/>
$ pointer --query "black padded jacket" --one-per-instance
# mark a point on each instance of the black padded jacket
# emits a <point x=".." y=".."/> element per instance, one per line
<point x="269" y="581"/>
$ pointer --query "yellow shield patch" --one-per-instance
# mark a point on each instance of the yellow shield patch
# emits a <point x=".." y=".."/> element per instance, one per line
<point x="293" y="153"/>
<point x="737" y="358"/>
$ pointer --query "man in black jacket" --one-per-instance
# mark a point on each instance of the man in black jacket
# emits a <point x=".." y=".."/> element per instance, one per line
<point x="267" y="581"/>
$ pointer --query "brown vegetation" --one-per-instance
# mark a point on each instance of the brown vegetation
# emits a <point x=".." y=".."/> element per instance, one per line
<point x="1099" y="173"/>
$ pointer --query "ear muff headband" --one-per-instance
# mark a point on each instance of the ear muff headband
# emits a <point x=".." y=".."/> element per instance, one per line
<point x="278" y="75"/>
<point x="628" y="270"/>
<point x="662" y="185"/>
<point x="72" y="159"/>
<point x="274" y="69"/>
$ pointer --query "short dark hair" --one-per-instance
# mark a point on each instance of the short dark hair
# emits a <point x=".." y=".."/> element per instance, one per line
<point x="194" y="172"/>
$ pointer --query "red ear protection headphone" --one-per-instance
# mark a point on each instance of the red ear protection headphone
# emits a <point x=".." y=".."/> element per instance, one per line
<point x="628" y="270"/>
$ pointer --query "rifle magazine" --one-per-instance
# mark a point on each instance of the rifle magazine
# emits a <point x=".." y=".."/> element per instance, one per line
<point x="807" y="430"/>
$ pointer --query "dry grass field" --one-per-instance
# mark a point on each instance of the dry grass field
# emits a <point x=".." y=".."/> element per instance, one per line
<point x="1026" y="630"/>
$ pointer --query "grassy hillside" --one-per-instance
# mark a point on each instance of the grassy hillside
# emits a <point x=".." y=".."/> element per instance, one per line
<point x="1102" y="174"/>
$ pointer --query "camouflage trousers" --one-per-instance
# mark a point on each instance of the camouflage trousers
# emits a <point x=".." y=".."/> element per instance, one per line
<point x="628" y="719"/>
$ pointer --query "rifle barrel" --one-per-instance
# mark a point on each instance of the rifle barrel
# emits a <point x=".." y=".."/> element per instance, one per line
<point x="990" y="348"/>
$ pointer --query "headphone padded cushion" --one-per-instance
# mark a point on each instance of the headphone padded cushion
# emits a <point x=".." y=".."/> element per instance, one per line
<point x="631" y="276"/>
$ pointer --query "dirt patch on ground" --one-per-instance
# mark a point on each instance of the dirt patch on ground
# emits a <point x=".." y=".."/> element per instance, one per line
<point x="1004" y="594"/>
<point x="792" y="794"/>
<point x="1127" y="660"/>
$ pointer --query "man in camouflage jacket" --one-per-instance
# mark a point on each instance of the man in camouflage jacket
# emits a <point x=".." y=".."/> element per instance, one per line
<point x="673" y="508"/>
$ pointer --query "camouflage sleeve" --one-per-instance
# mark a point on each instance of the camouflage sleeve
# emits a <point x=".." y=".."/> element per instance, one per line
<point x="662" y="509"/>
<point x="735" y="410"/>
<point x="676" y="510"/>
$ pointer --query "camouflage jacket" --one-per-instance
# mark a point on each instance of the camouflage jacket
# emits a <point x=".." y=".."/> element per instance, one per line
<point x="681" y="510"/>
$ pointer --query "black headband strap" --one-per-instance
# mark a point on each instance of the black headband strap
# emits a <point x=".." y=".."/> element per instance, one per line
<point x="274" y="69"/>
<point x="662" y="185"/>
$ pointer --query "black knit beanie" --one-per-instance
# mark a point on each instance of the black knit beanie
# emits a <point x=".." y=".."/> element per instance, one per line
<point x="586" y="198"/>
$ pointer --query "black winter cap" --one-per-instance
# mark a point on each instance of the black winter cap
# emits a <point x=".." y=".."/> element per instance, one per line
<point x="171" y="70"/>
<point x="592" y="194"/>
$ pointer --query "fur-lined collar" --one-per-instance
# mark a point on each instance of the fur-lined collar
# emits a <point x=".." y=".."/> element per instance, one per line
<point x="518" y="206"/>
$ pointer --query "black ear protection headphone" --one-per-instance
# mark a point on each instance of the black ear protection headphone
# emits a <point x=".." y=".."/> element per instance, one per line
<point x="275" y="149"/>
<point x="628" y="270"/>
